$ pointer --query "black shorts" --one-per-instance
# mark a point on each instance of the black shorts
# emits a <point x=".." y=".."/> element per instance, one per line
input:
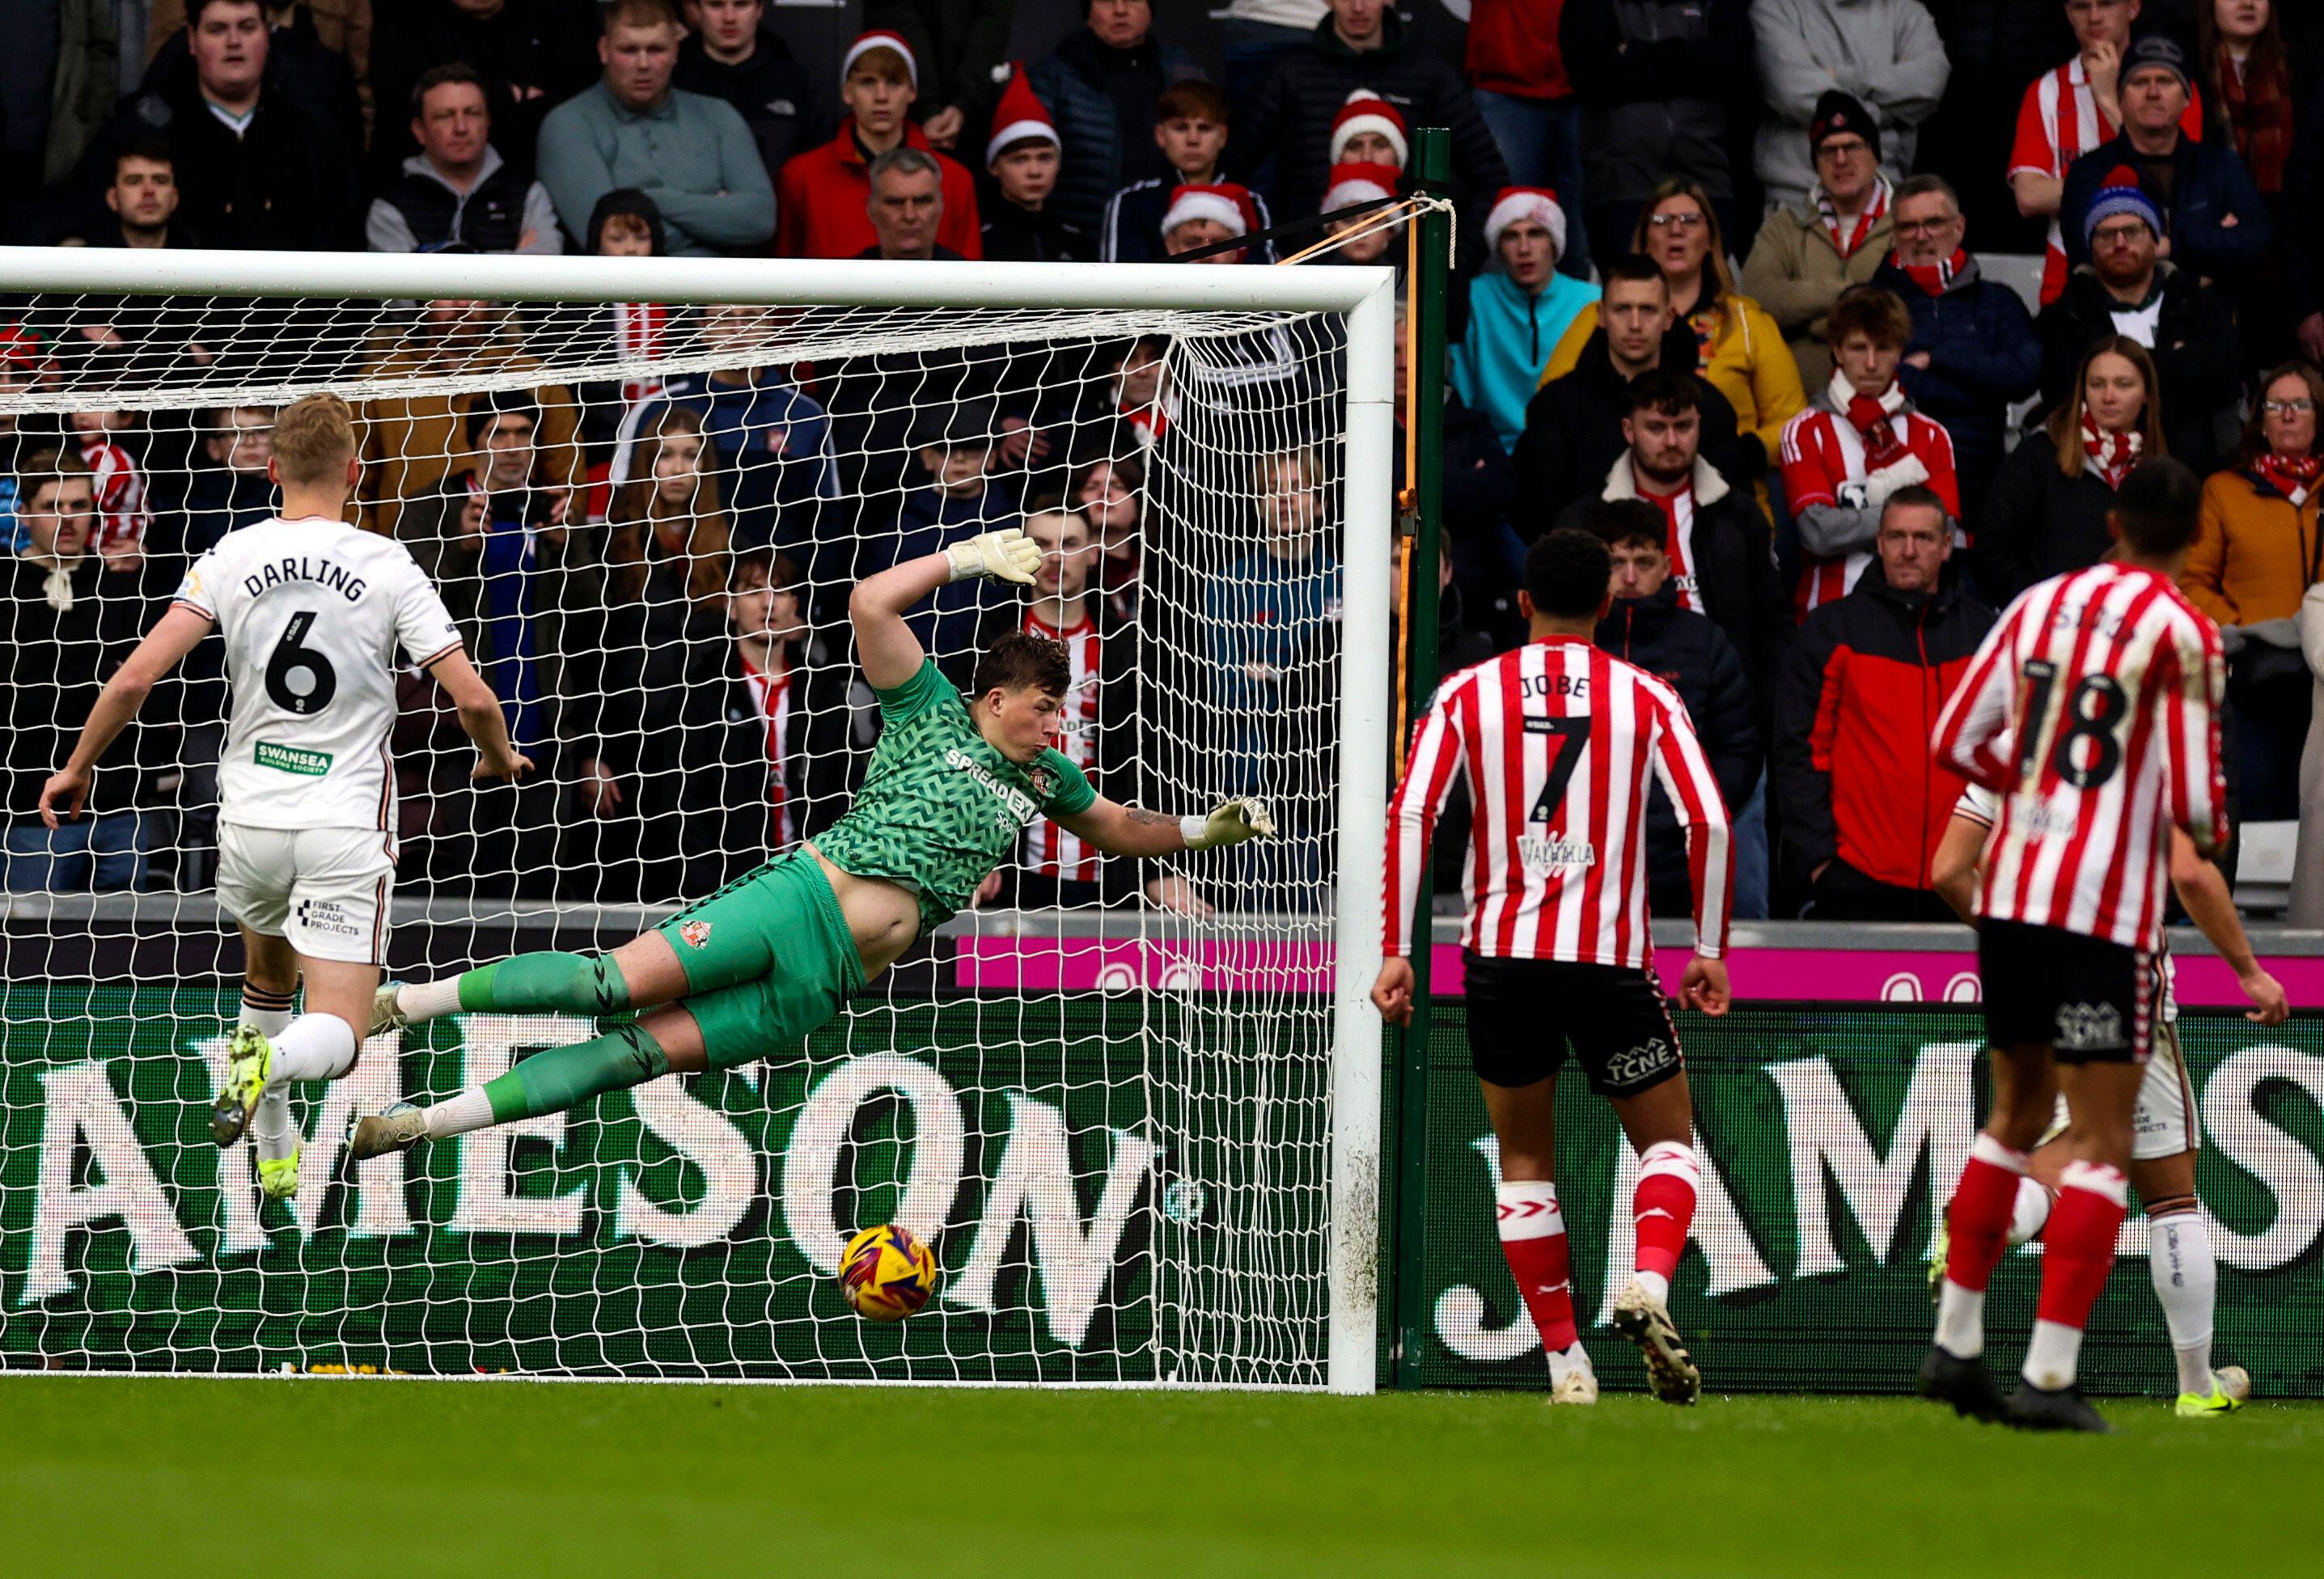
<point x="1522" y="1013"/>
<point x="2092" y="1001"/>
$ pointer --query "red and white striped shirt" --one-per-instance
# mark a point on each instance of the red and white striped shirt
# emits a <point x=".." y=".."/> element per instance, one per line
<point x="2093" y="710"/>
<point x="1678" y="516"/>
<point x="2059" y="121"/>
<point x="1049" y="848"/>
<point x="1555" y="741"/>
<point x="1823" y="463"/>
<point x="772" y="692"/>
<point x="122" y="516"/>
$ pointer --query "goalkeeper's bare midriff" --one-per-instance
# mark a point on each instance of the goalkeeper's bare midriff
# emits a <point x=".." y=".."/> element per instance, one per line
<point x="883" y="917"/>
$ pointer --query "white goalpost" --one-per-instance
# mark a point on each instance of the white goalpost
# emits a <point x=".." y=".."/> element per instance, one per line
<point x="1136" y="1109"/>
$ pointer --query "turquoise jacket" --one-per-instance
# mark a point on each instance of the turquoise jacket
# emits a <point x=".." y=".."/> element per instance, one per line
<point x="1498" y="364"/>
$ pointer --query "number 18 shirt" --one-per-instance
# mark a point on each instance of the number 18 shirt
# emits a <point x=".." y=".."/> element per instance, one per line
<point x="1555" y="741"/>
<point x="2093" y="710"/>
<point x="312" y="612"/>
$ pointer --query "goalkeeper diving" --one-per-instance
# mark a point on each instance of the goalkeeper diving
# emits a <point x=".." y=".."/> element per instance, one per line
<point x="748" y="972"/>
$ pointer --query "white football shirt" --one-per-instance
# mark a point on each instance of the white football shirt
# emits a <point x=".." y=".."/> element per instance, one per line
<point x="312" y="612"/>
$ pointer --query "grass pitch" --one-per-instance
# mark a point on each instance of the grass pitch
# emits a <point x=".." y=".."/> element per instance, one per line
<point x="301" y="1478"/>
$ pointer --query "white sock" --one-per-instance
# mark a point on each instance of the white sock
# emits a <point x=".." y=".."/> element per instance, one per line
<point x="2030" y="1214"/>
<point x="457" y="1115"/>
<point x="268" y="1022"/>
<point x="1655" y="1284"/>
<point x="272" y="1129"/>
<point x="2186" y="1281"/>
<point x="2053" y="1355"/>
<point x="316" y="1047"/>
<point x="429" y="1000"/>
<point x="1961" y="1321"/>
<point x="1564" y="1363"/>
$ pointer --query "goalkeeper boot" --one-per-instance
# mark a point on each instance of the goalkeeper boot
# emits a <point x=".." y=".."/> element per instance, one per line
<point x="1641" y="1318"/>
<point x="278" y="1177"/>
<point x="1966" y="1384"/>
<point x="2039" y="1409"/>
<point x="385" y="1013"/>
<point x="2227" y="1395"/>
<point x="250" y="1065"/>
<point x="399" y="1129"/>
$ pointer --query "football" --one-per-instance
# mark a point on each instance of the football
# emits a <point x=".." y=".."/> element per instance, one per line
<point x="887" y="1273"/>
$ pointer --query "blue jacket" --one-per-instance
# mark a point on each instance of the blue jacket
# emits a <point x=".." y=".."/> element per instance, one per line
<point x="2211" y="184"/>
<point x="774" y="446"/>
<point x="1983" y="354"/>
<point x="946" y="624"/>
<point x="1267" y="613"/>
<point x="1498" y="364"/>
<point x="1099" y="157"/>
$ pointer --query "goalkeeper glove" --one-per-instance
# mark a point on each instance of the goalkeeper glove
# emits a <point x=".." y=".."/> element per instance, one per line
<point x="1246" y="816"/>
<point x="1009" y="554"/>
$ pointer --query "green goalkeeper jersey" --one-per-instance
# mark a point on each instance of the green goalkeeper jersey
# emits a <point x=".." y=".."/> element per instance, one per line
<point x="940" y="808"/>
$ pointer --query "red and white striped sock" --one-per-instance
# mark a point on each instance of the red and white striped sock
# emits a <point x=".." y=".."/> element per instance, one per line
<point x="1534" y="1244"/>
<point x="1662" y="1211"/>
<point x="2093" y="1197"/>
<point x="1978" y="1221"/>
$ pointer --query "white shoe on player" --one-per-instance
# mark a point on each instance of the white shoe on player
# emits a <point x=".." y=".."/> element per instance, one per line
<point x="1575" y="1386"/>
<point x="1641" y="1318"/>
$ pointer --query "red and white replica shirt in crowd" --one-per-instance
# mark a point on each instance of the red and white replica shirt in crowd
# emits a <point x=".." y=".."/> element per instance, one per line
<point x="2059" y="121"/>
<point x="1678" y="519"/>
<point x="1824" y="463"/>
<point x="772" y="692"/>
<point x="1555" y="741"/>
<point x="122" y="516"/>
<point x="2093" y="710"/>
<point x="1049" y="849"/>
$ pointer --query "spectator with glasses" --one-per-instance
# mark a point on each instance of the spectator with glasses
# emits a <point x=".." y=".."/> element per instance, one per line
<point x="2257" y="554"/>
<point x="1742" y="354"/>
<point x="1973" y="349"/>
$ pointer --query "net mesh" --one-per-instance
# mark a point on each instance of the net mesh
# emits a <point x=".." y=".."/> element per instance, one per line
<point x="1104" y="1094"/>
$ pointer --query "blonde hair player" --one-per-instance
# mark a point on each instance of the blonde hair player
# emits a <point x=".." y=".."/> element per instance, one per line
<point x="312" y="611"/>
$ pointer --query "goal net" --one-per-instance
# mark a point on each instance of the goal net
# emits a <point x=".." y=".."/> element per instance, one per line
<point x="1134" y="1106"/>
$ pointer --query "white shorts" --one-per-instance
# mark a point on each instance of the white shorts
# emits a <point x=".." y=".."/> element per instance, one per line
<point x="2163" y="1122"/>
<point x="324" y="890"/>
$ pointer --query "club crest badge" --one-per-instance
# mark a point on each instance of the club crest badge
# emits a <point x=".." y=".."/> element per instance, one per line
<point x="695" y="933"/>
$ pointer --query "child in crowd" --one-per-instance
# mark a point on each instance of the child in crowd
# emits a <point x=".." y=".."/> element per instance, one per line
<point x="123" y="516"/>
<point x="1190" y="126"/>
<point x="1020" y="225"/>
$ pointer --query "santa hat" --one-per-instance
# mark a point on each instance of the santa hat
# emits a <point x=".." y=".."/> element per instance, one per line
<point x="1019" y="118"/>
<point x="1367" y="111"/>
<point x="1359" y="183"/>
<point x="2120" y="195"/>
<point x="880" y="39"/>
<point x="1225" y="202"/>
<point x="1539" y="204"/>
<point x="19" y="346"/>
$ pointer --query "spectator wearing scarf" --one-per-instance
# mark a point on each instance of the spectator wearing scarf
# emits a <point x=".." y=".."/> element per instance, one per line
<point x="2259" y="548"/>
<point x="2047" y="513"/>
<point x="1806" y="256"/>
<point x="1973" y="349"/>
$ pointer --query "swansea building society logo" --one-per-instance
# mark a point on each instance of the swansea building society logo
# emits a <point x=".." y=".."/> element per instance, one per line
<point x="695" y="933"/>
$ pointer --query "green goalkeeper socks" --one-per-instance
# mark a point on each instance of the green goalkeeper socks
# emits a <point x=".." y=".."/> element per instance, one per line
<point x="546" y="984"/>
<point x="563" y="1078"/>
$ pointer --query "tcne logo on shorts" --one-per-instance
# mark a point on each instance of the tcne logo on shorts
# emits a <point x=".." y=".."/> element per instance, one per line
<point x="1651" y="1056"/>
<point x="2089" y="1028"/>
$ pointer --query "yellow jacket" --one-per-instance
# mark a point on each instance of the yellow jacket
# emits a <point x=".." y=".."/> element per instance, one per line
<point x="1747" y="363"/>
<point x="2254" y="554"/>
<point x="412" y="441"/>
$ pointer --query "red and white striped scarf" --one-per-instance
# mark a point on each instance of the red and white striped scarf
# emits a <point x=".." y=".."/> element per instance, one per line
<point x="1874" y="210"/>
<point x="2114" y="454"/>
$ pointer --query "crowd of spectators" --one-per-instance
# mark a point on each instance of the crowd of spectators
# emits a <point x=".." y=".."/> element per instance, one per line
<point x="1714" y="300"/>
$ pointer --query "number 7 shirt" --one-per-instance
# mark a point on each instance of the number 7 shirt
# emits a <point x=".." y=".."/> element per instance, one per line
<point x="312" y="612"/>
<point x="2092" y="708"/>
<point x="1554" y="742"/>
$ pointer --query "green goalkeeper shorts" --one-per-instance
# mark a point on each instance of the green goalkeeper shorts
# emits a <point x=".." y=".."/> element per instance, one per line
<point x="768" y="958"/>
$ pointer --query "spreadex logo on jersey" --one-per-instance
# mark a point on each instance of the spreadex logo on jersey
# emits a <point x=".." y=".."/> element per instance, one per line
<point x="1555" y="855"/>
<point x="1017" y="800"/>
